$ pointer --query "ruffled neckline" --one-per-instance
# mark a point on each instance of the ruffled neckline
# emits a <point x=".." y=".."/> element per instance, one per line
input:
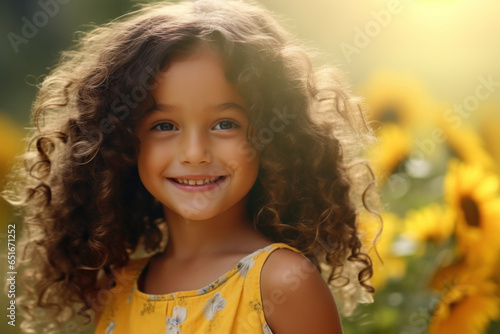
<point x="241" y="265"/>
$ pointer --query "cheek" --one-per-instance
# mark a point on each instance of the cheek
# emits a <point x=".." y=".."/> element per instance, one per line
<point x="241" y="157"/>
<point x="151" y="160"/>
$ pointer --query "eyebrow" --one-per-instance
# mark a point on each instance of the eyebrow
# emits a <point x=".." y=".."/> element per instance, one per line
<point x="220" y="107"/>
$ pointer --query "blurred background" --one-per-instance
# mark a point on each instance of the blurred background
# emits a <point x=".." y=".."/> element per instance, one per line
<point x="429" y="71"/>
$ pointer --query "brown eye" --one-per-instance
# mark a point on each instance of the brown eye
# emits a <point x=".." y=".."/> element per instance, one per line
<point x="226" y="125"/>
<point x="164" y="126"/>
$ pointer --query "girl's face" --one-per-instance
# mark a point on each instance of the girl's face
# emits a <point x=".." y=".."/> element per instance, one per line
<point x="194" y="156"/>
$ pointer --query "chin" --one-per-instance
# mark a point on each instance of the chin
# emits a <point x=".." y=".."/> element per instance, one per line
<point x="196" y="214"/>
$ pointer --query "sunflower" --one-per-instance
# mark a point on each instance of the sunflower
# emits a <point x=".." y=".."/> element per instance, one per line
<point x="432" y="223"/>
<point x="393" y="147"/>
<point x="472" y="193"/>
<point x="467" y="145"/>
<point x="386" y="264"/>
<point x="394" y="97"/>
<point x="468" y="304"/>
<point x="488" y="128"/>
<point x="445" y="276"/>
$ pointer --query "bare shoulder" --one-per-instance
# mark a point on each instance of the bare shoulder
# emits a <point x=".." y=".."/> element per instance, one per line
<point x="295" y="297"/>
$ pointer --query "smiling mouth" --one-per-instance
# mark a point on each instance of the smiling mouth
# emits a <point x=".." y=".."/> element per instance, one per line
<point x="197" y="182"/>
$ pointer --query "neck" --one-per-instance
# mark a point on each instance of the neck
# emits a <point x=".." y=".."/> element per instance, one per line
<point x="188" y="239"/>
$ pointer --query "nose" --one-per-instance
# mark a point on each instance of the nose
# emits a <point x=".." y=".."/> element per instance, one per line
<point x="194" y="148"/>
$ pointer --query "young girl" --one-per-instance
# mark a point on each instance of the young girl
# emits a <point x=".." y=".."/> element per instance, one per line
<point x="198" y="132"/>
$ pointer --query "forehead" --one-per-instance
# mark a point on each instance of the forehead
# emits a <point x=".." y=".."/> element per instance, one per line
<point x="199" y="76"/>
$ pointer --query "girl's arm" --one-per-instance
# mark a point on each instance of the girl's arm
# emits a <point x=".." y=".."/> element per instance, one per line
<point x="295" y="296"/>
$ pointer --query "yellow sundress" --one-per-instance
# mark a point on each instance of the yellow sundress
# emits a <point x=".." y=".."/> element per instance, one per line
<point x="230" y="305"/>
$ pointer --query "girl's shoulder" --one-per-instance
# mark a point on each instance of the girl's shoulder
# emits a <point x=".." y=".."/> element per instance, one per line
<point x="296" y="299"/>
<point x="285" y="267"/>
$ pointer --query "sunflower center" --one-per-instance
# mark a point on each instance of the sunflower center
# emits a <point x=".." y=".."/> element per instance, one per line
<point x="390" y="115"/>
<point x="471" y="211"/>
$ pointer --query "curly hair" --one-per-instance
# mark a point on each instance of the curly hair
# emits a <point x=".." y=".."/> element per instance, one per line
<point x="85" y="210"/>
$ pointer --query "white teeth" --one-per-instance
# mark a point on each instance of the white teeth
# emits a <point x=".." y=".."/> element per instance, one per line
<point x="197" y="182"/>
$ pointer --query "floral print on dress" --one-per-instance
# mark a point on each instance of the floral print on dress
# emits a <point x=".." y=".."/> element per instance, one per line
<point x="210" y="308"/>
<point x="268" y="248"/>
<point x="110" y="327"/>
<point x="147" y="308"/>
<point x="245" y="265"/>
<point x="178" y="317"/>
<point x="213" y="305"/>
<point x="266" y="329"/>
<point x="155" y="298"/>
<point x="129" y="299"/>
<point x="221" y="280"/>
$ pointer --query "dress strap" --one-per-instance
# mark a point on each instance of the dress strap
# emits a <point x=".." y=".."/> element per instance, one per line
<point x="257" y="261"/>
<point x="252" y="281"/>
<point x="263" y="255"/>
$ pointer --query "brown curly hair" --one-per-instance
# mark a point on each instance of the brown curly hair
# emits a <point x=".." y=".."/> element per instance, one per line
<point x="85" y="209"/>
